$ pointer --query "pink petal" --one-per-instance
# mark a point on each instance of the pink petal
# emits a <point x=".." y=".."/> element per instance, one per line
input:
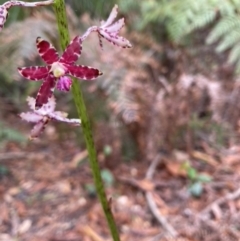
<point x="39" y="127"/>
<point x="47" y="108"/>
<point x="31" y="102"/>
<point x="89" y="30"/>
<point x="111" y="17"/>
<point x="83" y="72"/>
<point x="46" y="50"/>
<point x="115" y="28"/>
<point x="64" y="83"/>
<point x="60" y="113"/>
<point x="59" y="116"/>
<point x="34" y="72"/>
<point x="45" y="92"/>
<point x="115" y="39"/>
<point x="3" y="15"/>
<point x="72" y="52"/>
<point x="30" y="116"/>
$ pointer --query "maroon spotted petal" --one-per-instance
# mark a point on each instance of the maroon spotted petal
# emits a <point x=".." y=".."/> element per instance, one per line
<point x="46" y="50"/>
<point x="34" y="72"/>
<point x="72" y="52"/>
<point x="83" y="72"/>
<point x="46" y="90"/>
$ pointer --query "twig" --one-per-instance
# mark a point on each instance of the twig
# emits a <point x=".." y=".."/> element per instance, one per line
<point x="221" y="200"/>
<point x="151" y="203"/>
<point x="165" y="84"/>
<point x="12" y="155"/>
<point x="91" y="233"/>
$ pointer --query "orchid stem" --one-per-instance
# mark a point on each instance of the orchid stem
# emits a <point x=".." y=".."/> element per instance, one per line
<point x="60" y="11"/>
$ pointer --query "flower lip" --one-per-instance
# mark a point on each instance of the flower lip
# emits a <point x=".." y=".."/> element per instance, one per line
<point x="58" y="69"/>
<point x="64" y="83"/>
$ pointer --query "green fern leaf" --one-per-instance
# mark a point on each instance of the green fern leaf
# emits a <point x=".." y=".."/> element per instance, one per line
<point x="224" y="26"/>
<point x="234" y="54"/>
<point x="229" y="40"/>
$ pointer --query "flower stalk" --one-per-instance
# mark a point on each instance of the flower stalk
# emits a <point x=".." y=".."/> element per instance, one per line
<point x="7" y="5"/>
<point x="60" y="12"/>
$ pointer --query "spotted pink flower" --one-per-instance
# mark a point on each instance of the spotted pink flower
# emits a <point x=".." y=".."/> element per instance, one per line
<point x="43" y="115"/>
<point x="57" y="69"/>
<point x="110" y="30"/>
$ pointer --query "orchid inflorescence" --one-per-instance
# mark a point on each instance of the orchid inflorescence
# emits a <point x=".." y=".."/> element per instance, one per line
<point x="57" y="72"/>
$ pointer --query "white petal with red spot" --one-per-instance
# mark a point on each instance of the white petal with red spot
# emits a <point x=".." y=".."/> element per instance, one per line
<point x="111" y="17"/>
<point x="31" y="116"/>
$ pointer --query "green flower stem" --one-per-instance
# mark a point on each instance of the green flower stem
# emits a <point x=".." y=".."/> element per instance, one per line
<point x="59" y="6"/>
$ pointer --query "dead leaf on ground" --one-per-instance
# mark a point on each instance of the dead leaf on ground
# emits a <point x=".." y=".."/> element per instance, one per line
<point x="205" y="157"/>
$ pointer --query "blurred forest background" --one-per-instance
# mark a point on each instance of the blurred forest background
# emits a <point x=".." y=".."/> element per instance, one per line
<point x="166" y="121"/>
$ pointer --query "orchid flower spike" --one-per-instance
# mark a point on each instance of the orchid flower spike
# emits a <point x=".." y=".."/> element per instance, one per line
<point x="110" y="30"/>
<point x="5" y="7"/>
<point x="43" y="115"/>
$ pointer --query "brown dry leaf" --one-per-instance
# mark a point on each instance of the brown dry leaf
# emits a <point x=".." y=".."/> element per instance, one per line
<point x="238" y="204"/>
<point x="145" y="185"/>
<point x="180" y="156"/>
<point x="64" y="187"/>
<point x="20" y="207"/>
<point x="217" y="212"/>
<point x="205" y="157"/>
<point x="24" y="226"/>
<point x="175" y="169"/>
<point x="14" y="191"/>
<point x="91" y="233"/>
<point x="4" y="213"/>
<point x="165" y="210"/>
<point x="78" y="158"/>
<point x="232" y="159"/>
<point x="47" y="173"/>
<point x="5" y="237"/>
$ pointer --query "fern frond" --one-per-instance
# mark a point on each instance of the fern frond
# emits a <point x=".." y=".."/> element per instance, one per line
<point x="185" y="16"/>
<point x="234" y="54"/>
<point x="224" y="26"/>
<point x="229" y="40"/>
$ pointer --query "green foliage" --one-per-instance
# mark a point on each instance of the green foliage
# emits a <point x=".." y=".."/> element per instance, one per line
<point x="217" y="133"/>
<point x="9" y="134"/>
<point x="107" y="150"/>
<point x="196" y="180"/>
<point x="107" y="177"/>
<point x="90" y="189"/>
<point x="4" y="171"/>
<point x="95" y="8"/>
<point x="180" y="18"/>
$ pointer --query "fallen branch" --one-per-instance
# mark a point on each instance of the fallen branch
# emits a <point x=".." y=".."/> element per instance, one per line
<point x="13" y="155"/>
<point x="91" y="233"/>
<point x="152" y="204"/>
<point x="220" y="201"/>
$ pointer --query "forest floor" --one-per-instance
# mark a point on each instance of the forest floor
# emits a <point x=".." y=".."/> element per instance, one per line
<point x="46" y="193"/>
